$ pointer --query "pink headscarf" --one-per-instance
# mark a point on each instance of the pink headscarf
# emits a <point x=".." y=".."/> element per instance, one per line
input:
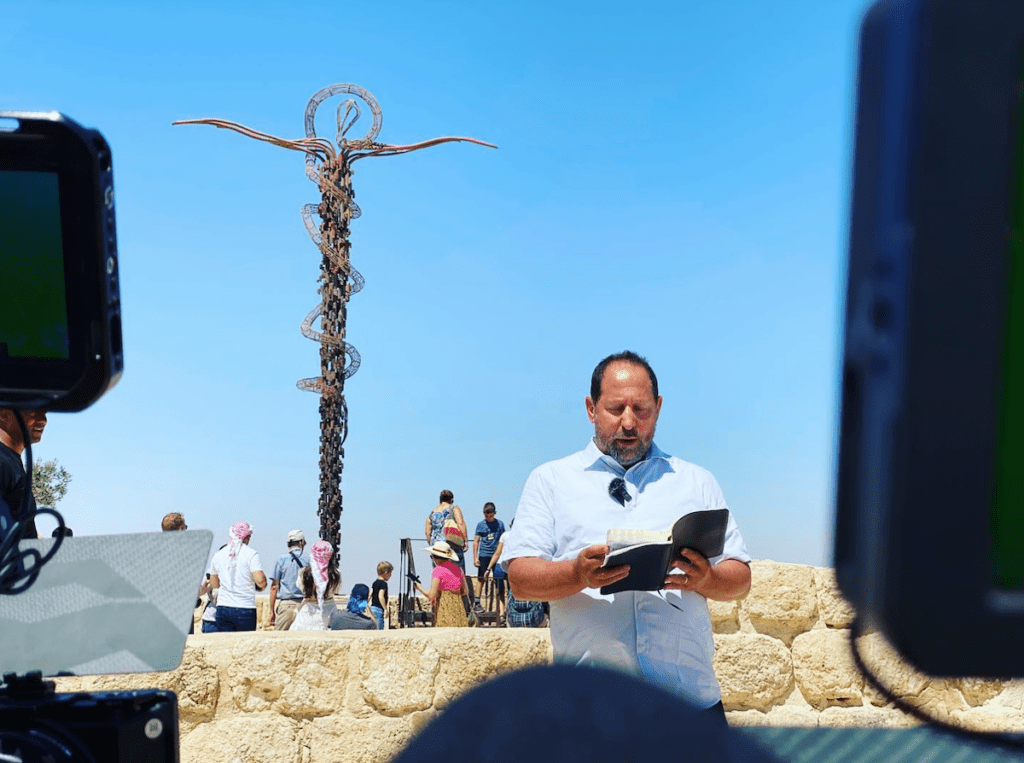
<point x="239" y="532"/>
<point x="320" y="559"/>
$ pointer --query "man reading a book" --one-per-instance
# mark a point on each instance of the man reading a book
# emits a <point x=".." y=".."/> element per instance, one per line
<point x="558" y="544"/>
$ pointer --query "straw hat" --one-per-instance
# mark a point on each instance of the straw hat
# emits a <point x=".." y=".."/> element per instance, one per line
<point x="443" y="550"/>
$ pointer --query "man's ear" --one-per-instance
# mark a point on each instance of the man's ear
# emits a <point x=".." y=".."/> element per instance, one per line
<point x="591" y="409"/>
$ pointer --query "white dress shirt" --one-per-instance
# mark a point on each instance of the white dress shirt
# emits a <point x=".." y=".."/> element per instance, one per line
<point x="663" y="635"/>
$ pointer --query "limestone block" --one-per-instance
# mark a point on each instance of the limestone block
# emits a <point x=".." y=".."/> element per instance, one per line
<point x="301" y="675"/>
<point x="195" y="682"/>
<point x="788" y="715"/>
<point x="833" y="609"/>
<point x="197" y="685"/>
<point x="781" y="601"/>
<point x="754" y="671"/>
<point x="978" y="691"/>
<point x="824" y="670"/>
<point x="864" y="717"/>
<point x="940" y="698"/>
<point x="397" y="675"/>
<point x="725" y="616"/>
<point x="374" y="739"/>
<point x="1011" y="696"/>
<point x="889" y="668"/>
<point x="796" y="699"/>
<point x="739" y="718"/>
<point x="263" y="612"/>
<point x="470" y="657"/>
<point x="744" y="618"/>
<point x="71" y="684"/>
<point x="991" y="718"/>
<point x="418" y="721"/>
<point x="256" y="738"/>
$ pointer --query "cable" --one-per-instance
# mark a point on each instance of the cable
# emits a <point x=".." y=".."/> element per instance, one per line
<point x="858" y="630"/>
<point x="15" y="575"/>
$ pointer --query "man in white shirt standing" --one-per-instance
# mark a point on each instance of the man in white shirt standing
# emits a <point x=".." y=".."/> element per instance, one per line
<point x="237" y="573"/>
<point x="623" y="480"/>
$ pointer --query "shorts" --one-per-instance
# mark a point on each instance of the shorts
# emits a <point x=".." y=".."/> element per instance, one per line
<point x="481" y="570"/>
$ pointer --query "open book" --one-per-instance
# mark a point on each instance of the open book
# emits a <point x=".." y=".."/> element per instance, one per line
<point x="649" y="553"/>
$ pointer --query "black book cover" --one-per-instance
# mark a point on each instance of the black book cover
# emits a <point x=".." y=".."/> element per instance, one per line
<point x="703" y="531"/>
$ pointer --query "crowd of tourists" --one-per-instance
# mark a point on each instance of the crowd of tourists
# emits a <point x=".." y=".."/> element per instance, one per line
<point x="455" y="601"/>
<point x="303" y="587"/>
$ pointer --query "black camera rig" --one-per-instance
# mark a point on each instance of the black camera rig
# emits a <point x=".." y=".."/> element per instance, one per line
<point x="42" y="725"/>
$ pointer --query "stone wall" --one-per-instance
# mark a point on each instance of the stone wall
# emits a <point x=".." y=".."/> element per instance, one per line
<point x="782" y="658"/>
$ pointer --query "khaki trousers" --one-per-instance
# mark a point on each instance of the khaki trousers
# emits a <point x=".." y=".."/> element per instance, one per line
<point x="284" y="613"/>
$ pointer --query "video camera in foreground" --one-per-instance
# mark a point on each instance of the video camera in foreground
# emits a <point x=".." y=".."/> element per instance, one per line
<point x="930" y="493"/>
<point x="60" y="304"/>
<point x="76" y="606"/>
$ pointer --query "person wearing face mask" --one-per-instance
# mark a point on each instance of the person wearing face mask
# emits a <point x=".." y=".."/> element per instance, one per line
<point x="555" y="550"/>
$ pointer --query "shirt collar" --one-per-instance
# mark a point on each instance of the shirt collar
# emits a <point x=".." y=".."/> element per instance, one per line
<point x="595" y="460"/>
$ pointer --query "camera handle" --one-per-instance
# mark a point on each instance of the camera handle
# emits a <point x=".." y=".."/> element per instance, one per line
<point x="29" y="686"/>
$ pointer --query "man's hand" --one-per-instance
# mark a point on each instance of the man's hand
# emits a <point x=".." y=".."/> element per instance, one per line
<point x="534" y="579"/>
<point x="273" y="617"/>
<point x="695" y="571"/>
<point x="729" y="580"/>
<point x="588" y="571"/>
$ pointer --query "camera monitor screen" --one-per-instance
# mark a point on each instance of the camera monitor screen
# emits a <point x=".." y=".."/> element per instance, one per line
<point x="106" y="604"/>
<point x="33" y="307"/>
<point x="1008" y="524"/>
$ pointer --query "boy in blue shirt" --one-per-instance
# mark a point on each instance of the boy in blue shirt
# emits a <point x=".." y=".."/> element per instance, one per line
<point x="485" y="544"/>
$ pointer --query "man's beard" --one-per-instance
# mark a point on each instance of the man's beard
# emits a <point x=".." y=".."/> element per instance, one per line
<point x="625" y="455"/>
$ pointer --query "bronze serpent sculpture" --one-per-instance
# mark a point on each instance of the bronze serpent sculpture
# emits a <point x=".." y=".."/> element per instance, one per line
<point x="331" y="170"/>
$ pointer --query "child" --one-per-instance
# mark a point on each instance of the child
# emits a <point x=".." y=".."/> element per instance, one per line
<point x="379" y="594"/>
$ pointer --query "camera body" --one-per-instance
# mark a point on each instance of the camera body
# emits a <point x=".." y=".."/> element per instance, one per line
<point x="125" y="727"/>
<point x="60" y="305"/>
<point x="60" y="350"/>
<point x="929" y="531"/>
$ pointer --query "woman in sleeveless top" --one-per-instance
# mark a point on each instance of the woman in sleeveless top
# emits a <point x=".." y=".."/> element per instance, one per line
<point x="433" y="529"/>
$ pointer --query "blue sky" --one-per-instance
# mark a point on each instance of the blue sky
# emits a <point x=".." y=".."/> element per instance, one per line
<point x="671" y="178"/>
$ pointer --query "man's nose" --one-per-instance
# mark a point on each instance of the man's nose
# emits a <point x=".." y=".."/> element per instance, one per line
<point x="628" y="420"/>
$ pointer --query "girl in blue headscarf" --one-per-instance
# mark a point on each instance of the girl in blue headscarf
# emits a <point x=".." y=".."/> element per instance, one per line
<point x="356" y="615"/>
<point x="357" y="600"/>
